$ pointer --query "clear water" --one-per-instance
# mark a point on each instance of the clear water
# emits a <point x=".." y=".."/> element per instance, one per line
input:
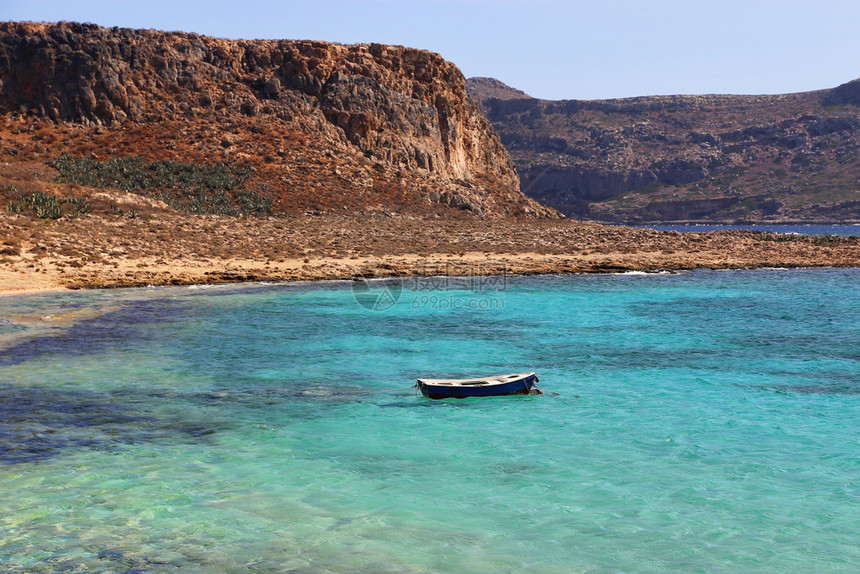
<point x="699" y="422"/>
<point x="807" y="229"/>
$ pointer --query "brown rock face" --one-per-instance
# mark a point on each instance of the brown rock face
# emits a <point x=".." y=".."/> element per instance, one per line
<point x="370" y="125"/>
<point x="716" y="158"/>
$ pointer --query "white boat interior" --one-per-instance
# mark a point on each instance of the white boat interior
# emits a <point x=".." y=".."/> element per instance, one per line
<point x="491" y="380"/>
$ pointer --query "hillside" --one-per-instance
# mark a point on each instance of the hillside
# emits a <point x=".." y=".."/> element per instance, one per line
<point x="713" y="158"/>
<point x="138" y="157"/>
<point x="299" y="126"/>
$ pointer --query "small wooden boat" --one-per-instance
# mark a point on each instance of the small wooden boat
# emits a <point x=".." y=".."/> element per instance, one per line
<point x="514" y="384"/>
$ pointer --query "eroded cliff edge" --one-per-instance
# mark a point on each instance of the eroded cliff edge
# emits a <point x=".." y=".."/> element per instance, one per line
<point x="321" y="126"/>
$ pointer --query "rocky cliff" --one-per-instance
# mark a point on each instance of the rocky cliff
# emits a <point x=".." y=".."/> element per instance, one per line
<point x="319" y="126"/>
<point x="712" y="158"/>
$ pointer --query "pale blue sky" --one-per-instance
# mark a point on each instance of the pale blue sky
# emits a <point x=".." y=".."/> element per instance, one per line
<point x="580" y="49"/>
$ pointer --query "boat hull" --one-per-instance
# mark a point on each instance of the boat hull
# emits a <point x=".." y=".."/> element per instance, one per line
<point x="523" y="385"/>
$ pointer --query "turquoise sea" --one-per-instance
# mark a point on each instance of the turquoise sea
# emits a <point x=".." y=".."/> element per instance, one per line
<point x="844" y="230"/>
<point x="695" y="422"/>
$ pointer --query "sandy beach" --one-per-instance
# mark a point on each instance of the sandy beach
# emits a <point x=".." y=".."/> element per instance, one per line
<point x="99" y="251"/>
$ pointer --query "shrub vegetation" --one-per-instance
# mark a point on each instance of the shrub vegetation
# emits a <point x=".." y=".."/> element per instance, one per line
<point x="217" y="189"/>
<point x="48" y="206"/>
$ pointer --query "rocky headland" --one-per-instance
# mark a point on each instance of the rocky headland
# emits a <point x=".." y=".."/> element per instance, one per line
<point x="138" y="157"/>
<point x="322" y="127"/>
<point x="710" y="158"/>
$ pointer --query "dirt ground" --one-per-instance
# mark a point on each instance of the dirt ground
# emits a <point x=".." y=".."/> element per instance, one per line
<point x="102" y="250"/>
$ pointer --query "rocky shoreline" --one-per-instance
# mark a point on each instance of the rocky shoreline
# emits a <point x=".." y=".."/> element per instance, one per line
<point x="173" y="249"/>
<point x="139" y="157"/>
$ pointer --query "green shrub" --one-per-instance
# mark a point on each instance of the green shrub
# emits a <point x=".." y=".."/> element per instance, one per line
<point x="47" y="205"/>
<point x="189" y="187"/>
<point x="779" y="237"/>
<point x="827" y="239"/>
<point x="18" y="206"/>
<point x="80" y="204"/>
<point x="253" y="203"/>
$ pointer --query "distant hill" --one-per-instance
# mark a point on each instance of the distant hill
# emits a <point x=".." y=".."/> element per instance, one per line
<point x="711" y="158"/>
<point x="483" y="89"/>
<point x="305" y="125"/>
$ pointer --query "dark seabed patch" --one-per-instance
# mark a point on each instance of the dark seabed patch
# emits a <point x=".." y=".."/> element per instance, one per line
<point x="40" y="423"/>
<point x="99" y="333"/>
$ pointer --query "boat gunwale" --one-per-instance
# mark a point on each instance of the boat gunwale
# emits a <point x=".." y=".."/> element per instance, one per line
<point x="492" y="380"/>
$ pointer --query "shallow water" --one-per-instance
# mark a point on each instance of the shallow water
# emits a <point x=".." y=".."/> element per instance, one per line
<point x="802" y="229"/>
<point x="696" y="422"/>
